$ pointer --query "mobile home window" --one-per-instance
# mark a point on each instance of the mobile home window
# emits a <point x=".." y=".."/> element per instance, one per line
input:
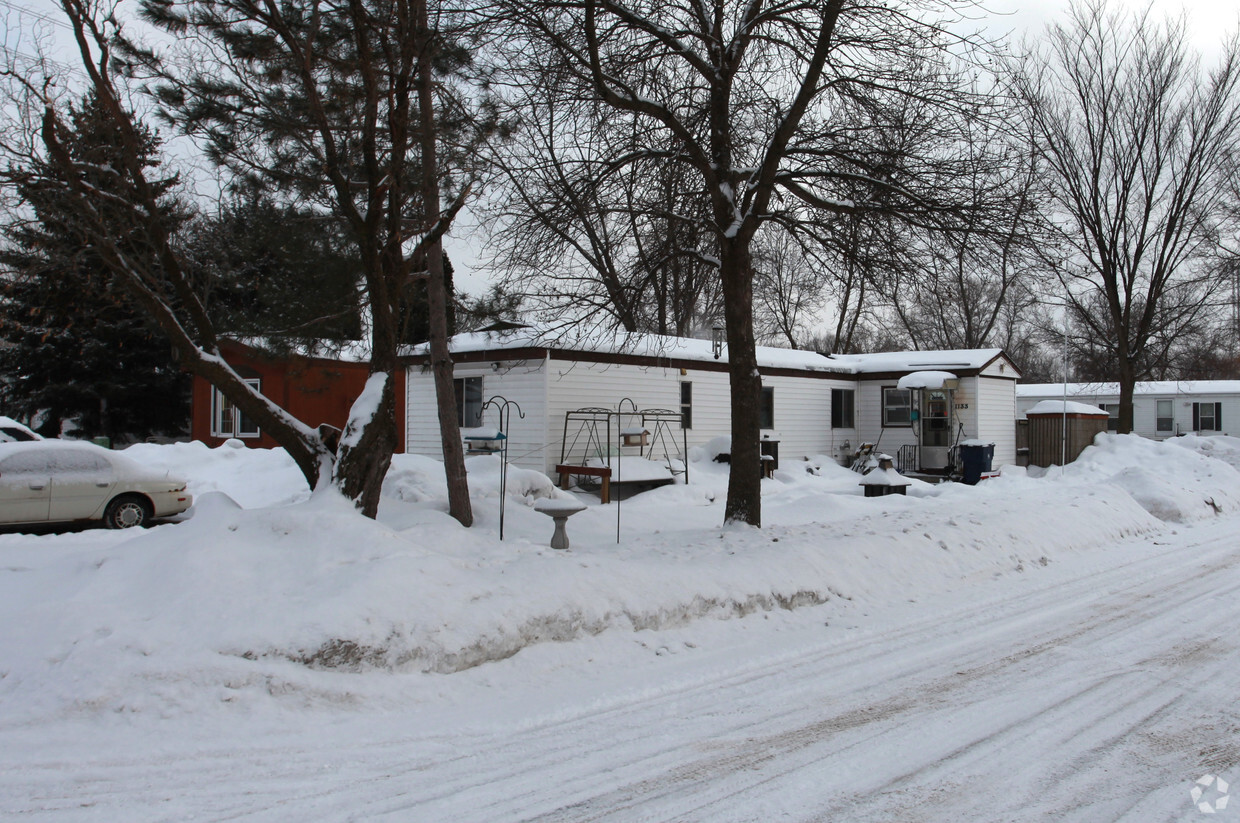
<point x="468" y="401"/>
<point x="1207" y="417"/>
<point x="897" y="407"/>
<point x="229" y="421"/>
<point x="842" y="405"/>
<point x="686" y="405"/>
<point x="1165" y="416"/>
<point x="1112" y="410"/>
<point x="766" y="411"/>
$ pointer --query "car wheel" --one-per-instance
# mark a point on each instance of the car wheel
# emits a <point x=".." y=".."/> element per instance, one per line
<point x="127" y="512"/>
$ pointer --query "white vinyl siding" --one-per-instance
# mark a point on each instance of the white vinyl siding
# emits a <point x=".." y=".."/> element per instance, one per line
<point x="548" y="389"/>
<point x="995" y="413"/>
<point x="802" y="418"/>
<point x="519" y="381"/>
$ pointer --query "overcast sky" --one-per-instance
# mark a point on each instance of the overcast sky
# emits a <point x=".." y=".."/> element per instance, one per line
<point x="1209" y="20"/>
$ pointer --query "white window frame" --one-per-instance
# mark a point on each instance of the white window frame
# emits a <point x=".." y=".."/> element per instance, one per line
<point x="1160" y="418"/>
<point x="844" y="408"/>
<point x="220" y="404"/>
<point x="907" y="423"/>
<point x="766" y="408"/>
<point x="461" y="387"/>
<point x="1112" y="410"/>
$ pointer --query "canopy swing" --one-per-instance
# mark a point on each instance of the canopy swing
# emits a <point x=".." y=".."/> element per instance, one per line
<point x="628" y="447"/>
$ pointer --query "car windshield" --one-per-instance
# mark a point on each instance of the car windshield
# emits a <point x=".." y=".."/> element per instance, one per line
<point x="15" y="434"/>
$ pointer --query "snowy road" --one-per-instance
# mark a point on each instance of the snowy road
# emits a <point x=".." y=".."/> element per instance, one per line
<point x="1101" y="698"/>
<point x="1087" y="690"/>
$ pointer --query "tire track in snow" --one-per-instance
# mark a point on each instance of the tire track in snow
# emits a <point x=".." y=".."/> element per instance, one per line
<point x="1133" y="608"/>
<point x="879" y="682"/>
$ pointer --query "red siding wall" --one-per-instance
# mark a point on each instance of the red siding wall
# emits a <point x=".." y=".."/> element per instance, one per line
<point x="314" y="390"/>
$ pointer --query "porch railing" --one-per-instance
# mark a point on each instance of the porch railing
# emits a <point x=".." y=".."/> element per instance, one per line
<point x="906" y="459"/>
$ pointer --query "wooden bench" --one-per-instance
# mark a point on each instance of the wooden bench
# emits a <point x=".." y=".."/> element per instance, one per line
<point x="589" y="471"/>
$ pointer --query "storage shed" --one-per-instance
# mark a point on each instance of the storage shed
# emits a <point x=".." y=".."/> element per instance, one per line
<point x="1060" y="430"/>
<point x="1160" y="408"/>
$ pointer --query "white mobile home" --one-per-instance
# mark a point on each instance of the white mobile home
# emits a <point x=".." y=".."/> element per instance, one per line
<point x="811" y="404"/>
<point x="1160" y="409"/>
<point x="932" y="400"/>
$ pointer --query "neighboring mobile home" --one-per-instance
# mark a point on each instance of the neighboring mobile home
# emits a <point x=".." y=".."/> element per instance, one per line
<point x="316" y="388"/>
<point x="1160" y="409"/>
<point x="811" y="404"/>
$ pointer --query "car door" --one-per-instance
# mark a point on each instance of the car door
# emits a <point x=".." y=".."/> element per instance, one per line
<point x="81" y="483"/>
<point x="25" y="487"/>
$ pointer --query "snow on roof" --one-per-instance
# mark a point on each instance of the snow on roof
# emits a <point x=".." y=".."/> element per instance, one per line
<point x="925" y="380"/>
<point x="348" y="351"/>
<point x="1066" y="407"/>
<point x="642" y="345"/>
<point x="683" y="348"/>
<point x="896" y="361"/>
<point x="1148" y="387"/>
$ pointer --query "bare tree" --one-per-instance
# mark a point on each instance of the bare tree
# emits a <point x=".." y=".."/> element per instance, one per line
<point x="331" y="101"/>
<point x="859" y="252"/>
<point x="773" y="109"/>
<point x="788" y="289"/>
<point x="1134" y="139"/>
<point x="960" y="281"/>
<point x="585" y="239"/>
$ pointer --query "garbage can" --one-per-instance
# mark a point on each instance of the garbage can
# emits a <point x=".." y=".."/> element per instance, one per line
<point x="975" y="457"/>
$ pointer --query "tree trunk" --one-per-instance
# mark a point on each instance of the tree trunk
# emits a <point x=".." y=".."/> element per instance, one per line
<point x="1127" y="383"/>
<point x="744" y="502"/>
<point x="436" y="297"/>
<point x="367" y="444"/>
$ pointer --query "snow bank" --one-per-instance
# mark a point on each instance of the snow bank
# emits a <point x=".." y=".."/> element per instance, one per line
<point x="1175" y="480"/>
<point x="269" y="593"/>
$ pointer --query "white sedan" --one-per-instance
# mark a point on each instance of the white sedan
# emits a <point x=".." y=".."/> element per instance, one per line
<point x="48" y="481"/>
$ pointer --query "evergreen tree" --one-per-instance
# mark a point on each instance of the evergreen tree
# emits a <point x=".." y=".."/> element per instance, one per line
<point x="497" y="305"/>
<point x="77" y="350"/>
<point x="285" y="274"/>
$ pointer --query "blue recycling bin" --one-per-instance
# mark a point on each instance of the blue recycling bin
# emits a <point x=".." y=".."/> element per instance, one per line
<point x="975" y="458"/>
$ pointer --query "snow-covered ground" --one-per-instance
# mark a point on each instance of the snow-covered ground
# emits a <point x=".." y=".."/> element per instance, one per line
<point x="1060" y="647"/>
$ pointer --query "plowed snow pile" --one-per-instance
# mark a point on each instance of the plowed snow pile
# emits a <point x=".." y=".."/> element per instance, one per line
<point x="267" y="592"/>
